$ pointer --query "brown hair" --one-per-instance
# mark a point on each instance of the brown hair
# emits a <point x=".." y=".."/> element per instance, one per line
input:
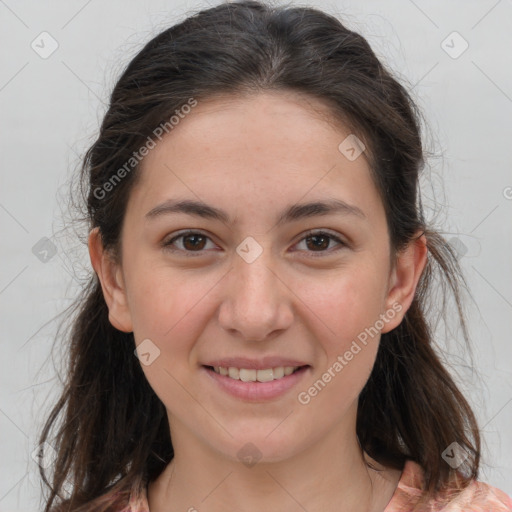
<point x="114" y="429"/>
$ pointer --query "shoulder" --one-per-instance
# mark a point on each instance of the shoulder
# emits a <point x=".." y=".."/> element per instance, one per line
<point x="476" y="497"/>
<point x="482" y="497"/>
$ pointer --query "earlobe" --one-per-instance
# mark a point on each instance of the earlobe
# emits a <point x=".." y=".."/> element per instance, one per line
<point x="404" y="279"/>
<point x="111" y="278"/>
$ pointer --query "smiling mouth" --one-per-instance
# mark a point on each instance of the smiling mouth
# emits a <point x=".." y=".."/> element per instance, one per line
<point x="252" y="375"/>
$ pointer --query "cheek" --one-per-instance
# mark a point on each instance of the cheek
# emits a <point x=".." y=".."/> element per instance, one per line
<point x="171" y="310"/>
<point x="350" y="308"/>
<point x="350" y="304"/>
<point x="162" y="301"/>
<point x="349" y="350"/>
<point x="166" y="309"/>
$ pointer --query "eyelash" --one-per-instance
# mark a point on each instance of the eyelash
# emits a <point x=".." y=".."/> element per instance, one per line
<point x="167" y="244"/>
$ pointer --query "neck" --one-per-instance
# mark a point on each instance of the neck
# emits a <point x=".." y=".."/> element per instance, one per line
<point x="330" y="475"/>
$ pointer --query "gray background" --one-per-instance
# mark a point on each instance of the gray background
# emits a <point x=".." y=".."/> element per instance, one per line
<point x="51" y="108"/>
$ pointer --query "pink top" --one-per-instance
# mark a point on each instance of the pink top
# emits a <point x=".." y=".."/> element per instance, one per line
<point x="477" y="497"/>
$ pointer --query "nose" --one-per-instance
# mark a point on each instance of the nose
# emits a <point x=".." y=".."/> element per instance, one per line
<point x="257" y="303"/>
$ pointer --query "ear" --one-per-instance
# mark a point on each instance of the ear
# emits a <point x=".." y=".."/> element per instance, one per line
<point x="111" y="278"/>
<point x="404" y="278"/>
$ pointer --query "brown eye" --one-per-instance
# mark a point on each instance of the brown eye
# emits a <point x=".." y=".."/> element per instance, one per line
<point x="319" y="241"/>
<point x="191" y="242"/>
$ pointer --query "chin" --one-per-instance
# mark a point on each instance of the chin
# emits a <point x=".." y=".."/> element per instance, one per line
<point x="262" y="447"/>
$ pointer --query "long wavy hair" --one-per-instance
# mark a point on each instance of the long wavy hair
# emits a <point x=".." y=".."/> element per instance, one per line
<point x="113" y="429"/>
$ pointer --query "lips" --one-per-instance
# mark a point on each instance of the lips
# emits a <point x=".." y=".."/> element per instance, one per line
<point x="256" y="391"/>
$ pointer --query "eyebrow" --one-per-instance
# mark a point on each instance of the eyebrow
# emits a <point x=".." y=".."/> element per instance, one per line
<point x="291" y="213"/>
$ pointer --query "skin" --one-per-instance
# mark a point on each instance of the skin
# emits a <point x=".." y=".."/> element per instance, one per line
<point x="254" y="156"/>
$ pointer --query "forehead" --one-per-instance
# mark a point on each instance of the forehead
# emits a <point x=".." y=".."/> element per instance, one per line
<point x="238" y="150"/>
<point x="302" y="120"/>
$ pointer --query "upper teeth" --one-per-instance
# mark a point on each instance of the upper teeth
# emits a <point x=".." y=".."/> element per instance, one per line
<point x="251" y="375"/>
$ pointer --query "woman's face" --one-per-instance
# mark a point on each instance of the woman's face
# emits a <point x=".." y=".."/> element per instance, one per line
<point x="252" y="288"/>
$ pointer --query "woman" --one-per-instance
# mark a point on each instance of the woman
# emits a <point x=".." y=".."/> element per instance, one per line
<point x="254" y="334"/>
